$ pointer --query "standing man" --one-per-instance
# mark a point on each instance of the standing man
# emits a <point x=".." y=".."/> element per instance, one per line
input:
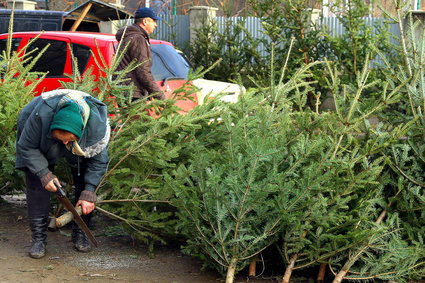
<point x="61" y="123"/>
<point x="134" y="39"/>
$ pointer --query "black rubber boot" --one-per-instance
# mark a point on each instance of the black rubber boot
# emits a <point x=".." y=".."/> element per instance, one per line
<point x="80" y="240"/>
<point x="39" y="236"/>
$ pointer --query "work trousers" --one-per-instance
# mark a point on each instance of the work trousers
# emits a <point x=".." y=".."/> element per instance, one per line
<point x="38" y="198"/>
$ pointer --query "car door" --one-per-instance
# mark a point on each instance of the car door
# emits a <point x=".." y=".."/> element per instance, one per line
<point x="171" y="71"/>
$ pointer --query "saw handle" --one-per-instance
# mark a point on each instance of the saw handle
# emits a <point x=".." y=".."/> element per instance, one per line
<point x="60" y="192"/>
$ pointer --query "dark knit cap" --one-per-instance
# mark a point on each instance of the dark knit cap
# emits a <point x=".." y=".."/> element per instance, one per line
<point x="69" y="119"/>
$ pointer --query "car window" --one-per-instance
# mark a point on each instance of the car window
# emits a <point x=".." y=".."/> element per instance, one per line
<point x="15" y="45"/>
<point x="82" y="54"/>
<point x="53" y="59"/>
<point x="184" y="57"/>
<point x="167" y="63"/>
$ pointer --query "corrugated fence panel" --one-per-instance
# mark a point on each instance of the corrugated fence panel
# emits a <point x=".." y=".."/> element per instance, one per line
<point x="252" y="25"/>
<point x="173" y="28"/>
<point x="335" y="28"/>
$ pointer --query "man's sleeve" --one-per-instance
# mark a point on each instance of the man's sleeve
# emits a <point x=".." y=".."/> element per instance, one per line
<point x="96" y="168"/>
<point x="28" y="147"/>
<point x="144" y="74"/>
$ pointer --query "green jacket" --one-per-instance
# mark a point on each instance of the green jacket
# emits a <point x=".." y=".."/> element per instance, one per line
<point x="36" y="149"/>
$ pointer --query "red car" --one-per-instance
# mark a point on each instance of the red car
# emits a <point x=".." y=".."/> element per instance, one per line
<point x="169" y="68"/>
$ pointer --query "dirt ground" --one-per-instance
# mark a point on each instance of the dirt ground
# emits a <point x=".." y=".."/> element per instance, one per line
<point x="116" y="259"/>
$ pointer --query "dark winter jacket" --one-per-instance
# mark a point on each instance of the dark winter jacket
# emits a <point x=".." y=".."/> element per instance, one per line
<point x="135" y="41"/>
<point x="36" y="149"/>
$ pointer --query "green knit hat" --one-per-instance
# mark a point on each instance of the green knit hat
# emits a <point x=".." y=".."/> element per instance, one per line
<point x="69" y="119"/>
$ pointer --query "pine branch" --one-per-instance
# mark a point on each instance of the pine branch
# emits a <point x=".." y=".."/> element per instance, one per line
<point x="132" y="200"/>
<point x="398" y="169"/>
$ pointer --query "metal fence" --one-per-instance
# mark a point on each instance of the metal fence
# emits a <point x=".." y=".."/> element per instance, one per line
<point x="176" y="28"/>
<point x="171" y="28"/>
<point x="335" y="28"/>
<point x="251" y="25"/>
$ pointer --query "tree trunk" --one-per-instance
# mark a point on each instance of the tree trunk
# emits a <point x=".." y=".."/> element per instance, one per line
<point x="252" y="271"/>
<point x="322" y="272"/>
<point x="67" y="217"/>
<point x="338" y="278"/>
<point x="289" y="269"/>
<point x="52" y="224"/>
<point x="231" y="270"/>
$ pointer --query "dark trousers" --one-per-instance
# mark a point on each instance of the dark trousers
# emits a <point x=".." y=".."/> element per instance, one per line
<point x="38" y="198"/>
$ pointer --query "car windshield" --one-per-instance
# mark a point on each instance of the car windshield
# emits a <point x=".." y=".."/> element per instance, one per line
<point x="167" y="63"/>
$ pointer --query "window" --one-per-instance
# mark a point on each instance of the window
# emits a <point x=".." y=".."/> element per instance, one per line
<point x="3" y="45"/>
<point x="53" y="59"/>
<point x="82" y="55"/>
<point x="167" y="63"/>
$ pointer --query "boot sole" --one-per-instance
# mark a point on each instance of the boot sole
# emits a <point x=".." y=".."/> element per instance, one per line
<point x="37" y="256"/>
<point x="83" y="250"/>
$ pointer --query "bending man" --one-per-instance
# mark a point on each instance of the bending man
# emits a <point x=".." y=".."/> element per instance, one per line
<point x="61" y="123"/>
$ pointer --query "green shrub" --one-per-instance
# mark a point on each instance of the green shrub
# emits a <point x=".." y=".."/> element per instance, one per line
<point x="16" y="90"/>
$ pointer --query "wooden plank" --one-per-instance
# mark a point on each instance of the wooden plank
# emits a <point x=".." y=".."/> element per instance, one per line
<point x="89" y="17"/>
<point x="81" y="17"/>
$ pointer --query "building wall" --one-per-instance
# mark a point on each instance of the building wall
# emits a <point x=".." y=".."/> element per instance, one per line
<point x="132" y="5"/>
<point x="181" y="7"/>
<point x="387" y="4"/>
<point x="66" y="5"/>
